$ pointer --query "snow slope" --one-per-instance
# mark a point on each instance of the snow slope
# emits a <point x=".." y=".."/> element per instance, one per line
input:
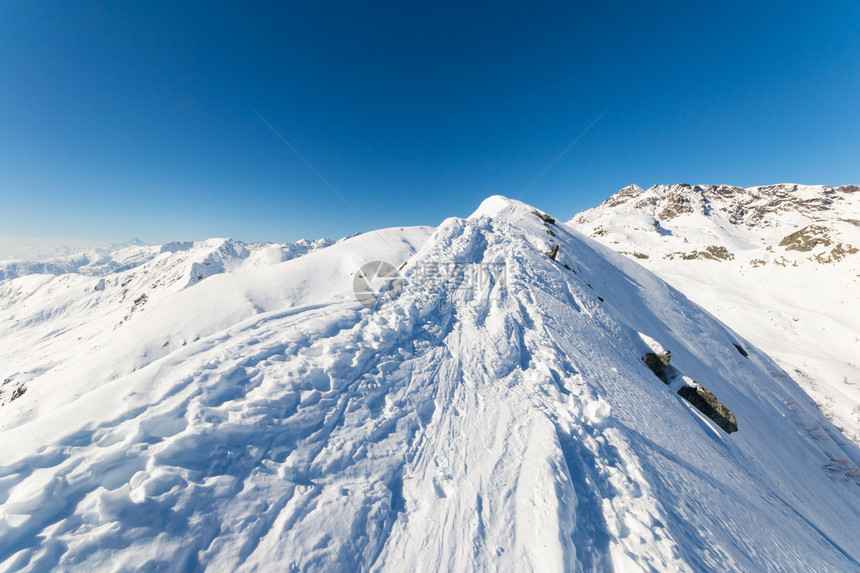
<point x="266" y="420"/>
<point x="780" y="264"/>
<point x="62" y="307"/>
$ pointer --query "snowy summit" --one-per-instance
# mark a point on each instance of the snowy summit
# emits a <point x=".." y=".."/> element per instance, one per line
<point x="524" y="399"/>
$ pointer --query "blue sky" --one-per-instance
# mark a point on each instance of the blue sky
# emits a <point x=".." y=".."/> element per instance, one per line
<point x="136" y="119"/>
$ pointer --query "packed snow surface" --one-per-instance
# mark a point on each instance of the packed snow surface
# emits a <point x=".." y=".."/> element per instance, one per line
<point x="496" y="415"/>
<point x="780" y="264"/>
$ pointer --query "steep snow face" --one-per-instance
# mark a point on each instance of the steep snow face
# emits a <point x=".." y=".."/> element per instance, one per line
<point x="779" y="264"/>
<point x="496" y="415"/>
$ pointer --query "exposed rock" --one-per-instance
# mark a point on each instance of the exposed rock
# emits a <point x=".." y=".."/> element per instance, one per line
<point x="623" y="195"/>
<point x="806" y="239"/>
<point x="138" y="304"/>
<point x="659" y="364"/>
<point x="711" y="253"/>
<point x="783" y="262"/>
<point x="716" y="253"/>
<point x="553" y="253"/>
<point x="545" y="217"/>
<point x="704" y="400"/>
<point x="17" y="393"/>
<point x="743" y="352"/>
<point x="836" y="254"/>
<point x="678" y="204"/>
<point x="697" y="395"/>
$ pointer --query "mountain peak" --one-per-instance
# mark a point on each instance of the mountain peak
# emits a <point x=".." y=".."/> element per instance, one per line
<point x="784" y="206"/>
<point x="496" y="206"/>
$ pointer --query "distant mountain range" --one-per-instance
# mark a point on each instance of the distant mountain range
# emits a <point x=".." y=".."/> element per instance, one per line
<point x="212" y="256"/>
<point x="778" y="263"/>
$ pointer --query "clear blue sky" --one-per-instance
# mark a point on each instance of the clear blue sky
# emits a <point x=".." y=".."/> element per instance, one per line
<point x="136" y="119"/>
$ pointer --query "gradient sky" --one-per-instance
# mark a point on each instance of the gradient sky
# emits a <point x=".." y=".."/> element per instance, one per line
<point x="137" y="119"/>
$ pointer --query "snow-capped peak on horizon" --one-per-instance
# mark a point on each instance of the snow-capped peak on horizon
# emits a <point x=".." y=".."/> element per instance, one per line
<point x="751" y="206"/>
<point x="769" y="224"/>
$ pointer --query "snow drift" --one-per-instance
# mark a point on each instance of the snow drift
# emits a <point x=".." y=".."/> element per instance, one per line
<point x="265" y="420"/>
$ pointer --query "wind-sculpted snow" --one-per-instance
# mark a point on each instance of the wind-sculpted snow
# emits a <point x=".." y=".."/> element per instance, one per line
<point x="267" y="420"/>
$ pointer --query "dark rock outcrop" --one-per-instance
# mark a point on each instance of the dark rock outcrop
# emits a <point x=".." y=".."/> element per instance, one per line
<point x="545" y="217"/>
<point x="17" y="393"/>
<point x="806" y="239"/>
<point x="704" y="400"/>
<point x="697" y="395"/>
<point x="659" y="364"/>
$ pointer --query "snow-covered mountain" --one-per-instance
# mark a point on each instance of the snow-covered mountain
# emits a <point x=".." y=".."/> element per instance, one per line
<point x="59" y="308"/>
<point x="216" y="254"/>
<point x="780" y="264"/>
<point x="520" y="398"/>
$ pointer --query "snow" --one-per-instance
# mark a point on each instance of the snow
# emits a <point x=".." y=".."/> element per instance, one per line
<point x="799" y="310"/>
<point x="261" y="418"/>
<point x="111" y="259"/>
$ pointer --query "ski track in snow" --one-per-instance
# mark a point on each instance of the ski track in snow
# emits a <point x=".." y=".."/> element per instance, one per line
<point x="511" y="427"/>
